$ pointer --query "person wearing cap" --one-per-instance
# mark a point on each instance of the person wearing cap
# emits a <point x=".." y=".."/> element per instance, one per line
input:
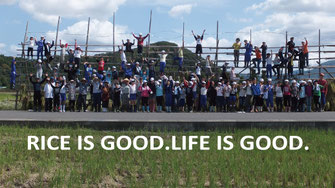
<point x="203" y="96"/>
<point x="268" y="95"/>
<point x="233" y="97"/>
<point x="168" y="85"/>
<point x="63" y="48"/>
<point x="226" y="91"/>
<point x="224" y="71"/>
<point x="180" y="58"/>
<point x="242" y="94"/>
<point x="317" y="88"/>
<point x="237" y="46"/>
<point x="309" y="95"/>
<point x="40" y="46"/>
<point x="101" y="65"/>
<point x="323" y="82"/>
<point x="37" y="85"/>
<point x="182" y="97"/>
<point x="304" y="45"/>
<point x="269" y="63"/>
<point x="128" y="69"/>
<point x="264" y="48"/>
<point x="115" y="74"/>
<point x="257" y="98"/>
<point x="276" y="66"/>
<point x="125" y="94"/>
<point x="96" y="85"/>
<point x="145" y="92"/>
<point x="162" y="60"/>
<point x="105" y="91"/>
<point x="294" y="96"/>
<point x="128" y="46"/>
<point x="198" y="39"/>
<point x="47" y="51"/>
<point x="211" y="94"/>
<point x="247" y="54"/>
<point x="72" y="86"/>
<point x="291" y="47"/>
<point x="208" y="66"/>
<point x="71" y="72"/>
<point x="140" y="41"/>
<point x="189" y="96"/>
<point x="152" y="95"/>
<point x="63" y="95"/>
<point x="133" y="95"/>
<point x="150" y="66"/>
<point x="70" y="53"/>
<point x="248" y="98"/>
<point x="81" y="101"/>
<point x="301" y="64"/>
<point x="77" y="54"/>
<point x="219" y="97"/>
<point x="233" y="76"/>
<point x="39" y="68"/>
<point x="31" y="45"/>
<point x="302" y="96"/>
<point x="88" y="71"/>
<point x="290" y="64"/>
<point x="279" y="97"/>
<point x="198" y="70"/>
<point x="159" y="95"/>
<point x="287" y="96"/>
<point x="56" y="95"/>
<point x="257" y="59"/>
<point x="48" y="95"/>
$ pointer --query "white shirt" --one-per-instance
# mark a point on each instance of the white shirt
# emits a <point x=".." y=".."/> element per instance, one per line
<point x="163" y="57"/>
<point x="243" y="91"/>
<point x="195" y="88"/>
<point x="199" y="41"/>
<point x="219" y="91"/>
<point x="198" y="71"/>
<point x="269" y="61"/>
<point x="48" y="91"/>
<point x="227" y="91"/>
<point x="123" y="57"/>
<point x="279" y="92"/>
<point x="31" y="43"/>
<point x="249" y="92"/>
<point x="208" y="63"/>
<point x="77" y="54"/>
<point x="203" y="91"/>
<point x="63" y="90"/>
<point x="133" y="89"/>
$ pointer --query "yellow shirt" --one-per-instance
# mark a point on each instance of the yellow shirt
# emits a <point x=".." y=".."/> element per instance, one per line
<point x="180" y="53"/>
<point x="237" y="46"/>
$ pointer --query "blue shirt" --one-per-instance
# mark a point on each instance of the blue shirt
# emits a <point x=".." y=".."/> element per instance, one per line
<point x="13" y="66"/>
<point x="256" y="89"/>
<point x="302" y="92"/>
<point x="248" y="48"/>
<point x="270" y="90"/>
<point x="159" y="90"/>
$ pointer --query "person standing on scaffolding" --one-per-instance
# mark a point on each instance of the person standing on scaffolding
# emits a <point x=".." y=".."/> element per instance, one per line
<point x="198" y="38"/>
<point x="128" y="46"/>
<point x="264" y="48"/>
<point x="140" y="42"/>
<point x="247" y="54"/>
<point x="305" y="51"/>
<point x="47" y="52"/>
<point x="291" y="48"/>
<point x="40" y="47"/>
<point x="237" y="47"/>
<point x="13" y="74"/>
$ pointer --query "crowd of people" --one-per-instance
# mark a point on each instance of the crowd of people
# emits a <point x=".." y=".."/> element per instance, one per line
<point x="135" y="86"/>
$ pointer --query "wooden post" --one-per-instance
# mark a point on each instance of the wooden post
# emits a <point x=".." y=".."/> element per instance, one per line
<point x="183" y="37"/>
<point x="114" y="33"/>
<point x="87" y="36"/>
<point x="286" y="50"/>
<point x="57" y="36"/>
<point x="250" y="37"/>
<point x="148" y="53"/>
<point x="319" y="51"/>
<point x="24" y="40"/>
<point x="217" y="44"/>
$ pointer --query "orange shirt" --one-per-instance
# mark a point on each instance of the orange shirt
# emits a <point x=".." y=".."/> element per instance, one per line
<point x="258" y="54"/>
<point x="305" y="48"/>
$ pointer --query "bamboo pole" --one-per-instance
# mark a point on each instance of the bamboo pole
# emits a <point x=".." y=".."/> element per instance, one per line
<point x="217" y="44"/>
<point x="24" y="40"/>
<point x="320" y="51"/>
<point x="87" y="36"/>
<point x="114" y="33"/>
<point x="56" y="43"/>
<point x="149" y="38"/>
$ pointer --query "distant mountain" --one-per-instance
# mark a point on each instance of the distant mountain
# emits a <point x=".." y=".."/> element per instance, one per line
<point x="314" y="73"/>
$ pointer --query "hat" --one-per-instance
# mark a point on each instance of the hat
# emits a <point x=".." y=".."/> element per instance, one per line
<point x="309" y="81"/>
<point x="177" y="82"/>
<point x="163" y="51"/>
<point x="321" y="74"/>
<point x="113" y="67"/>
<point x="159" y="80"/>
<point x="132" y="80"/>
<point x="106" y="81"/>
<point x="220" y="78"/>
<point x="269" y="80"/>
<point x="71" y="80"/>
<point x="244" y="82"/>
<point x="234" y="83"/>
<point x="301" y="82"/>
<point x="144" y="81"/>
<point x="48" y="42"/>
<point x="261" y="80"/>
<point x="152" y="79"/>
<point x="128" y="64"/>
<point x="219" y="83"/>
<point x="203" y="82"/>
<point x="78" y="46"/>
<point x="137" y="63"/>
<point x="294" y="81"/>
<point x="94" y="75"/>
<point x="193" y="79"/>
<point x="126" y="80"/>
<point x="190" y="84"/>
<point x="286" y="81"/>
<point x="83" y="79"/>
<point x="140" y="33"/>
<point x="40" y="61"/>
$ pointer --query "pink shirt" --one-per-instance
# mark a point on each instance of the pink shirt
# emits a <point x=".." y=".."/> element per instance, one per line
<point x="145" y="91"/>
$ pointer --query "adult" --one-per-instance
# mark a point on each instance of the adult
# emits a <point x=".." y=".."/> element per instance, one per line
<point x="305" y="51"/>
<point x="140" y="42"/>
<point x="237" y="46"/>
<point x="323" y="82"/>
<point x="198" y="38"/>
<point x="264" y="48"/>
<point x="247" y="54"/>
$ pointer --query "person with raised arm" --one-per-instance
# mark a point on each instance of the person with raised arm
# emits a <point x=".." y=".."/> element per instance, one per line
<point x="198" y="38"/>
<point x="128" y="45"/>
<point x="140" y="42"/>
<point x="237" y="47"/>
<point x="37" y="85"/>
<point x="247" y="54"/>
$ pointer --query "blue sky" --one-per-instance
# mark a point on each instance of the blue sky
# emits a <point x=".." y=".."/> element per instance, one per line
<point x="269" y="19"/>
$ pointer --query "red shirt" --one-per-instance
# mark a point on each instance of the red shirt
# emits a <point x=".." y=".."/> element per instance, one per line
<point x="287" y="90"/>
<point x="324" y="83"/>
<point x="140" y="40"/>
<point x="258" y="54"/>
<point x="101" y="66"/>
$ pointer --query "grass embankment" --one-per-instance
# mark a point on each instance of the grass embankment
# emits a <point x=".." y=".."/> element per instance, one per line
<point x="239" y="168"/>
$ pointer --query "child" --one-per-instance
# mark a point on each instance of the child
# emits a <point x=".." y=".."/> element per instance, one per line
<point x="199" y="39"/>
<point x="309" y="95"/>
<point x="116" y="97"/>
<point x="72" y="94"/>
<point x="203" y="96"/>
<point x="276" y="66"/>
<point x="211" y="94"/>
<point x="294" y="96"/>
<point x="168" y="95"/>
<point x="128" y="45"/>
<point x="63" y="96"/>
<point x="96" y="91"/>
<point x="182" y="98"/>
<point x="39" y="68"/>
<point x="105" y="96"/>
<point x="258" y="59"/>
<point x="269" y="65"/>
<point x="302" y="96"/>
<point x="47" y="51"/>
<point x="242" y="96"/>
<point x="83" y="85"/>
<point x="247" y="54"/>
<point x="290" y="65"/>
<point x="40" y="46"/>
<point x="226" y="90"/>
<point x="140" y="42"/>
<point x="88" y="71"/>
<point x="268" y="95"/>
<point x="279" y="97"/>
<point x="77" y="54"/>
<point x="257" y="98"/>
<point x="287" y="96"/>
<point x="162" y="61"/>
<point x="159" y="95"/>
<point x="125" y="91"/>
<point x="63" y="48"/>
<point x="152" y="96"/>
<point x="301" y="61"/>
<point x="209" y="63"/>
<point x="101" y="66"/>
<point x="56" y="95"/>
<point x="248" y="97"/>
<point x="37" y="84"/>
<point x="145" y="92"/>
<point x="133" y="95"/>
<point x="232" y="97"/>
<point x="48" y="96"/>
<point x="316" y="95"/>
<point x="237" y="47"/>
<point x="219" y="97"/>
<point x="189" y="96"/>
<point x="31" y="45"/>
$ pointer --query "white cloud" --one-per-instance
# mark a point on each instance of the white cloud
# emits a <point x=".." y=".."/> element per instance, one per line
<point x="180" y="10"/>
<point x="49" y="10"/>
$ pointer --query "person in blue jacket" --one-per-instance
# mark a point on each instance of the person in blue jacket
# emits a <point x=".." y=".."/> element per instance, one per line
<point x="168" y="95"/>
<point x="128" y="69"/>
<point x="88" y="71"/>
<point x="257" y="99"/>
<point x="247" y="54"/>
<point x="13" y="74"/>
<point x="40" y="46"/>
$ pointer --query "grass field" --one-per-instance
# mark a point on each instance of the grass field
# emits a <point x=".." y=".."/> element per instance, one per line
<point x="7" y="101"/>
<point x="99" y="168"/>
